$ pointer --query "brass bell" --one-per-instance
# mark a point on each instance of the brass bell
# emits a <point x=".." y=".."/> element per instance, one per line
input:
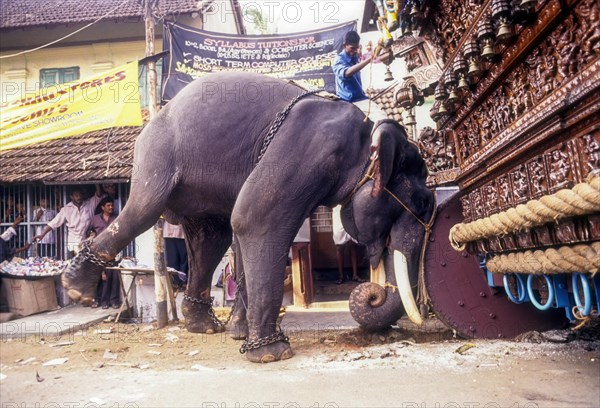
<point x="453" y="97"/>
<point x="462" y="83"/>
<point x="488" y="50"/>
<point x="388" y="74"/>
<point x="505" y="32"/>
<point x="416" y="14"/>
<point x="442" y="110"/>
<point x="414" y="10"/>
<point x="474" y="69"/>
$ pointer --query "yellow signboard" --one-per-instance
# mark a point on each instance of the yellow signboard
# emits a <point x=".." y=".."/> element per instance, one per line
<point x="103" y="101"/>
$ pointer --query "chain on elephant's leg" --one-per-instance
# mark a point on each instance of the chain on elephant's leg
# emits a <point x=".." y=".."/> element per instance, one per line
<point x="199" y="315"/>
<point x="266" y="341"/>
<point x="269" y="348"/>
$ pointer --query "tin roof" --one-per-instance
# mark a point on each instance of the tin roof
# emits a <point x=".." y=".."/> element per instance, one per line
<point x="99" y="155"/>
<point x="27" y="13"/>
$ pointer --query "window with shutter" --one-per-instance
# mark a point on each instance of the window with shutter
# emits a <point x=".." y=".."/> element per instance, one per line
<point x="56" y="76"/>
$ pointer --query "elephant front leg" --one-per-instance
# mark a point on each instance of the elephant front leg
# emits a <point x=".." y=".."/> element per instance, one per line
<point x="267" y="215"/>
<point x="207" y="239"/>
<point x="264" y="283"/>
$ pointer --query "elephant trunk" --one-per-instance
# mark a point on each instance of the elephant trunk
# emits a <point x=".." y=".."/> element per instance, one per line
<point x="376" y="307"/>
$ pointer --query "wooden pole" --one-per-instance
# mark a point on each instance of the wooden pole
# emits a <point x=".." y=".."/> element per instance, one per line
<point x="161" y="278"/>
<point x="151" y="74"/>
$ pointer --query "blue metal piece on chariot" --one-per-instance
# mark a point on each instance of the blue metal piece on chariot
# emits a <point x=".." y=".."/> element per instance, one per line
<point x="532" y="297"/>
<point x="562" y="297"/>
<point x="596" y="280"/>
<point x="586" y="307"/>
<point x="521" y="289"/>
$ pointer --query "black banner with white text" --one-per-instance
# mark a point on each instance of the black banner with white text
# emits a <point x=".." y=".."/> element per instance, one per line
<point x="304" y="57"/>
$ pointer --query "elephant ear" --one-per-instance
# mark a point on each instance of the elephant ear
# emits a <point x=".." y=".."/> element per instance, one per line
<point x="387" y="134"/>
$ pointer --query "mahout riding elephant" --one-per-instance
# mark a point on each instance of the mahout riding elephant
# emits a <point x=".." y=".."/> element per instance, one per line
<point x="205" y="161"/>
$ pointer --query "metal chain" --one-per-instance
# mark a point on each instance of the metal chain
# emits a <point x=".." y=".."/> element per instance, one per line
<point x="264" y="341"/>
<point x="279" y="118"/>
<point x="211" y="312"/>
<point x="87" y="255"/>
<point x="209" y="303"/>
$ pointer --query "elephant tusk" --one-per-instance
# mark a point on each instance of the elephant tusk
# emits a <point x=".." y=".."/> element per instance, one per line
<point x="406" y="295"/>
<point x="378" y="274"/>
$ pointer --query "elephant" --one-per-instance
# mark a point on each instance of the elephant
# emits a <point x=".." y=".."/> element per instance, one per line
<point x="213" y="161"/>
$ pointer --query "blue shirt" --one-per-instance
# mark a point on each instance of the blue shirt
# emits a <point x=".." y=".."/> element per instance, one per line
<point x="349" y="89"/>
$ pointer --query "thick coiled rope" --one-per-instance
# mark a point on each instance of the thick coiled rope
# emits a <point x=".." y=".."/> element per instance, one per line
<point x="582" y="199"/>
<point x="566" y="259"/>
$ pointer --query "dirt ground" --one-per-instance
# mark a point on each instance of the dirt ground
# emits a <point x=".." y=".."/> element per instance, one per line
<point x="133" y="365"/>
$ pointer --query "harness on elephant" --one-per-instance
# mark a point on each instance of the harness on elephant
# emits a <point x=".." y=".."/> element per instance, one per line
<point x="279" y="118"/>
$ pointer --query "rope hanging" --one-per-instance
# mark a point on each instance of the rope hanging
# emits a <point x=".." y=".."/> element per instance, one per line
<point x="582" y="199"/>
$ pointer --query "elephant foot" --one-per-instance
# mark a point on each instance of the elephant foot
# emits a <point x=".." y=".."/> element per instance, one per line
<point x="200" y="317"/>
<point x="277" y="351"/>
<point x="238" y="328"/>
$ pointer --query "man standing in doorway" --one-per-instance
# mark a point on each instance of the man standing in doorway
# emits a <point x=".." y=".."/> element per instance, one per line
<point x="111" y="282"/>
<point x="77" y="215"/>
<point x="47" y="246"/>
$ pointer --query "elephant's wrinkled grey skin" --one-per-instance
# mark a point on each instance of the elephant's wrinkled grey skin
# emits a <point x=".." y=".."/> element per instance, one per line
<point x="196" y="162"/>
<point x="371" y="305"/>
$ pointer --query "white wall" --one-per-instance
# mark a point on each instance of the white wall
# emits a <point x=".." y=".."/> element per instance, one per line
<point x="144" y="248"/>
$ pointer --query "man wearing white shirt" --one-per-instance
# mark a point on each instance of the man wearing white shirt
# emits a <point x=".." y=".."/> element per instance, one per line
<point x="47" y="246"/>
<point x="77" y="214"/>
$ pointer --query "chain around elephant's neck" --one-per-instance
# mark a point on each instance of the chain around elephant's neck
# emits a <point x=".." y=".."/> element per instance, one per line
<point x="279" y="118"/>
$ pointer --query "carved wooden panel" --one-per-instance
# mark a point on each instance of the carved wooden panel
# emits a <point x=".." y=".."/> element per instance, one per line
<point x="490" y="198"/>
<point x="505" y="197"/>
<point x="538" y="182"/>
<point x="570" y="48"/>
<point x="589" y="146"/>
<point x="437" y="149"/>
<point x="447" y="32"/>
<point x="525" y="124"/>
<point x="561" y="166"/>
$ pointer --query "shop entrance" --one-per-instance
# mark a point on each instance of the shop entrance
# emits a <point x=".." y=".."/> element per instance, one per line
<point x="315" y="267"/>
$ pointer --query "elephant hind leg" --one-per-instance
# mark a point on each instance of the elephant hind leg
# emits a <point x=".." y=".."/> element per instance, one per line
<point x="207" y="239"/>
